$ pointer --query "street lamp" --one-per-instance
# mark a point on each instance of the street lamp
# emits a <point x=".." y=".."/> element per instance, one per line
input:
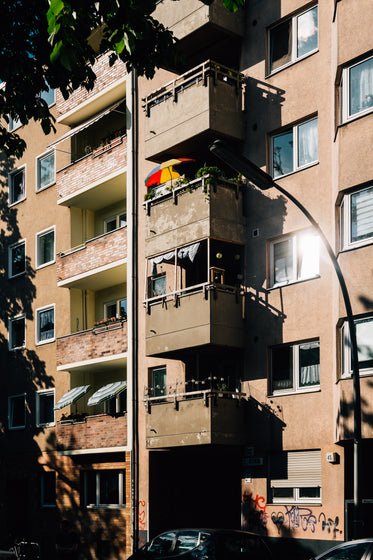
<point x="263" y="181"/>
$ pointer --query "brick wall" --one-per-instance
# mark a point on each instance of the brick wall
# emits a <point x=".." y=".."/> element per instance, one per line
<point x="100" y="251"/>
<point x="96" y="432"/>
<point x="106" y="76"/>
<point x="90" y="169"/>
<point x="92" y="344"/>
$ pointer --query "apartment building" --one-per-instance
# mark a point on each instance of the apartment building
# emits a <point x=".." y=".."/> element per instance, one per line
<point x="179" y="354"/>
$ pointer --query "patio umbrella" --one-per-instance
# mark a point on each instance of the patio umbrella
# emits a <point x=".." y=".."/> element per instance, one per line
<point x="71" y="396"/>
<point x="167" y="171"/>
<point x="106" y="392"/>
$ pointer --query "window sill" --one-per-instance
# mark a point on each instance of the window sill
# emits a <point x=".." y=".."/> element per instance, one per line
<point x="17" y="275"/>
<point x="11" y="204"/>
<point x="357" y="245"/>
<point x="40" y="266"/>
<point x="42" y="342"/>
<point x="285" y="284"/>
<point x="286" y="393"/>
<point x="312" y="164"/>
<point x="291" y="63"/>
<point x="351" y="120"/>
<point x="295" y="502"/>
<point x="16" y="348"/>
<point x="41" y="189"/>
<point x="362" y="373"/>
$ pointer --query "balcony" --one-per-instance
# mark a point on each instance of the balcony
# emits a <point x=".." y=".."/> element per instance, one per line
<point x="193" y="211"/>
<point x="97" y="179"/>
<point x="196" y="418"/>
<point x="100" y="433"/>
<point x="201" y="105"/>
<point x="82" y="104"/>
<point x="102" y="347"/>
<point x="97" y="264"/>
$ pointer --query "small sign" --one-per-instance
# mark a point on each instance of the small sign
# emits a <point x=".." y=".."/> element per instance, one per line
<point x="253" y="461"/>
<point x="248" y="480"/>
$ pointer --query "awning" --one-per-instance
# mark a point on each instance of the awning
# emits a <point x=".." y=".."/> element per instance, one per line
<point x="107" y="392"/>
<point x="71" y="396"/>
<point x="86" y="124"/>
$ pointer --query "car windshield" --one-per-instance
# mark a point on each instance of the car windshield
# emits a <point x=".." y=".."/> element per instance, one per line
<point x="349" y="552"/>
<point x="186" y="540"/>
<point x="163" y="544"/>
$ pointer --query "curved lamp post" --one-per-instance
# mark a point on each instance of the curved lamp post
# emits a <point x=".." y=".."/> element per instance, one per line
<point x="263" y="181"/>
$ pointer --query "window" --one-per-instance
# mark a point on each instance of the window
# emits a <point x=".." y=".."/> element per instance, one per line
<point x="17" y="185"/>
<point x="364" y="339"/>
<point x="14" y="122"/>
<point x="295" y="367"/>
<point x="48" y="96"/>
<point x="48" y="489"/>
<point x="17" y="259"/>
<point x="357" y="89"/>
<point x="17" y="332"/>
<point x="45" y="247"/>
<point x="295" y="148"/>
<point x="294" y="258"/>
<point x="116" y="404"/>
<point x="17" y="412"/>
<point x="104" y="488"/>
<point x="115" y="222"/>
<point x="293" y="39"/>
<point x="45" y="170"/>
<point x="158" y="285"/>
<point x="44" y="408"/>
<point x="295" y="476"/>
<point x="116" y="308"/>
<point x="158" y="381"/>
<point x="45" y="325"/>
<point x="357" y="218"/>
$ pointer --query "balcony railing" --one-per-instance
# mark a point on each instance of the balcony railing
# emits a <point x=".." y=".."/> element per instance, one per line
<point x="92" y="432"/>
<point x="96" y="167"/>
<point x="94" y="254"/>
<point x="91" y="345"/>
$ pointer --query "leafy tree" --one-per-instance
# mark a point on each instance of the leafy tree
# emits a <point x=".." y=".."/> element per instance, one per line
<point x="46" y="43"/>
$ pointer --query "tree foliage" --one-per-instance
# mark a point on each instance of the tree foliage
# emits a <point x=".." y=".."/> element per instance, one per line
<point x="46" y="43"/>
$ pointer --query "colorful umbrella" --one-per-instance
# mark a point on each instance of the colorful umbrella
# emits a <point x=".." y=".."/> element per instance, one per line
<point x="166" y="171"/>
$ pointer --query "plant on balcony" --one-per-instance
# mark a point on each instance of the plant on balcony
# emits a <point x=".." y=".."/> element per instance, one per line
<point x="110" y="321"/>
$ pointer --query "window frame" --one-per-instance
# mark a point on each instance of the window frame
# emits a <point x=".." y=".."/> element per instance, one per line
<point x="345" y="93"/>
<point x="156" y="390"/>
<point x="295" y="369"/>
<point x="38" y="396"/>
<point x="97" y="505"/>
<point x="290" y="469"/>
<point x="346" y="221"/>
<point x="115" y="302"/>
<point x="115" y="217"/>
<point x="11" y="320"/>
<point x="43" y="478"/>
<point x="44" y="94"/>
<point x="345" y="349"/>
<point x="38" y="236"/>
<point x="10" y="399"/>
<point x="11" y="174"/>
<point x="39" y="159"/>
<point x="293" y="19"/>
<point x="295" y="256"/>
<point x="14" y="123"/>
<point x="38" y="312"/>
<point x="21" y="242"/>
<point x="294" y="129"/>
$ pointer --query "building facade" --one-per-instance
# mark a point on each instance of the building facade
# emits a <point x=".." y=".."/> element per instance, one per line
<point x="179" y="354"/>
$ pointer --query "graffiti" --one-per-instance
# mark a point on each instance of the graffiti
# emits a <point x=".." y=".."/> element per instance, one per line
<point x="329" y="524"/>
<point x="300" y="517"/>
<point x="255" y="511"/>
<point x="278" y="519"/>
<point x="142" y="515"/>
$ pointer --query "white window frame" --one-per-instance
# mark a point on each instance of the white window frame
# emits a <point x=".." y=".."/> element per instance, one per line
<point x="296" y="498"/>
<point x="10" y="398"/>
<point x="37" y="328"/>
<point x="10" y="259"/>
<point x="115" y="217"/>
<point x="295" y="131"/>
<point x="42" y="489"/>
<point x="296" y="388"/>
<point x="11" y="320"/>
<point x="37" y="251"/>
<point x="115" y="302"/>
<point x="346" y="359"/>
<point x="345" y="94"/>
<point x="296" y="274"/>
<point x="294" y="44"/>
<point x="14" y="123"/>
<point x="346" y="222"/>
<point x="298" y="463"/>
<point x="121" y="486"/>
<point x="10" y="184"/>
<point x="38" y="396"/>
<point x="38" y="178"/>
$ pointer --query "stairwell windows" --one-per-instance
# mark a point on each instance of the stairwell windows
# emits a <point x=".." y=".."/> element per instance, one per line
<point x="17" y="259"/>
<point x="295" y="148"/>
<point x="45" y="325"/>
<point x="357" y="89"/>
<point x="357" y="218"/>
<point x="294" y="258"/>
<point x="45" y="170"/>
<point x="295" y="367"/>
<point x="17" y="185"/>
<point x="293" y="39"/>
<point x="364" y="339"/>
<point x="17" y="412"/>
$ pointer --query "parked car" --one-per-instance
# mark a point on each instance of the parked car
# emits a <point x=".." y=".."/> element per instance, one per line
<point x="361" y="549"/>
<point x="204" y="544"/>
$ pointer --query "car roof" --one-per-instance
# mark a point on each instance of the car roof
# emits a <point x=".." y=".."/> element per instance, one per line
<point x="343" y="544"/>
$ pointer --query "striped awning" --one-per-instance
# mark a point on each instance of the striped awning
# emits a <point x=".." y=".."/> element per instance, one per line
<point x="71" y="396"/>
<point x="107" y="392"/>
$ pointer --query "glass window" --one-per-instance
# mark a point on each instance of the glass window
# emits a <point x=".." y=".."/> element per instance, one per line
<point x="17" y="185"/>
<point x="158" y="381"/>
<point x="357" y="218"/>
<point x="295" y="476"/>
<point x="294" y="258"/>
<point x="116" y="309"/>
<point x="293" y="39"/>
<point x="295" y="367"/>
<point x="186" y="540"/>
<point x="17" y="411"/>
<point x="357" y="89"/>
<point x="44" y="407"/>
<point x="45" y="170"/>
<point x="45" y="247"/>
<point x="45" y="325"/>
<point x="17" y="332"/>
<point x="14" y="122"/>
<point x="352" y="551"/>
<point x="364" y="339"/>
<point x="48" y="489"/>
<point x="163" y="544"/>
<point x="295" y="149"/>
<point x="115" y="222"/>
<point x="48" y="96"/>
<point x="158" y="285"/>
<point x="103" y="488"/>
<point x="17" y="259"/>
